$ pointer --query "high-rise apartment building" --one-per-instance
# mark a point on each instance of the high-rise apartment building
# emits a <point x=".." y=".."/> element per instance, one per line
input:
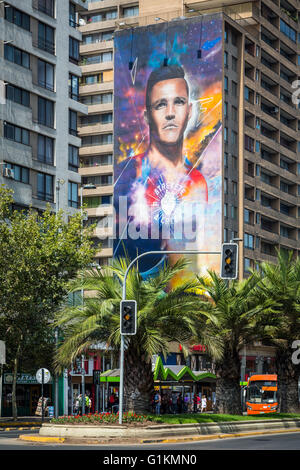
<point x="39" y="107"/>
<point x="260" y="115"/>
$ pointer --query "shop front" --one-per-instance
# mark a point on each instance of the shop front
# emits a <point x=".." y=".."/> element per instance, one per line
<point x="28" y="392"/>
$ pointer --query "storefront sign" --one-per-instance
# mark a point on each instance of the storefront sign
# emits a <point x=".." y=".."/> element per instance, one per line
<point x="22" y="379"/>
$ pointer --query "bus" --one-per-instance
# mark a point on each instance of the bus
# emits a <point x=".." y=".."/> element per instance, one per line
<point x="261" y="395"/>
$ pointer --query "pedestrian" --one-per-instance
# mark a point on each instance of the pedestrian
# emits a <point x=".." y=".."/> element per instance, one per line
<point x="76" y="405"/>
<point x="195" y="402"/>
<point x="157" y="402"/>
<point x="203" y="403"/>
<point x="186" y="403"/>
<point x="88" y="404"/>
<point x="174" y="403"/>
<point x="111" y="401"/>
<point x="80" y="404"/>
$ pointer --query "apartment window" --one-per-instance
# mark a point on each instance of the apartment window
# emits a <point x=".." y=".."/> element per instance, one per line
<point x="130" y="11"/>
<point x="97" y="99"/>
<point x="16" y="133"/>
<point x="45" y="112"/>
<point x="249" y="143"/>
<point x="91" y="79"/>
<point x="73" y="194"/>
<point x="45" y="75"/>
<point x="226" y="83"/>
<point x="98" y="37"/>
<point x="72" y="15"/>
<point x="284" y="231"/>
<point x="45" y="149"/>
<point x="247" y="264"/>
<point x="234" y="212"/>
<point x="247" y="216"/>
<point x="225" y="210"/>
<point x="234" y="89"/>
<point x="107" y="15"/>
<point x="234" y="64"/>
<point x="93" y="119"/>
<point x="288" y="31"/>
<point x="234" y="112"/>
<point x="249" y="241"/>
<point x="97" y="59"/>
<point x="45" y="187"/>
<point x="46" y="38"/>
<point x="234" y="188"/>
<point x="17" y="95"/>
<point x="17" y="17"/>
<point x="233" y="138"/>
<point x="225" y="134"/>
<point x="102" y="139"/>
<point x="96" y="201"/>
<point x="73" y="158"/>
<point x="46" y="6"/>
<point x="16" y="55"/>
<point x="257" y="146"/>
<point x="101" y="180"/>
<point x="73" y="50"/>
<point x="225" y="186"/>
<point x="97" y="160"/>
<point x="72" y="122"/>
<point x="226" y="60"/>
<point x="20" y="173"/>
<point x="74" y="87"/>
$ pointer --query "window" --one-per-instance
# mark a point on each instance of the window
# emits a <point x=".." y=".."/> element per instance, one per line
<point x="131" y="11"/>
<point x="91" y="79"/>
<point x="234" y="89"/>
<point x="234" y="64"/>
<point x="226" y="83"/>
<point x="45" y="75"/>
<point x="249" y="143"/>
<point x="45" y="149"/>
<point x="101" y="180"/>
<point x="45" y="187"/>
<point x="45" y="112"/>
<point x="46" y="6"/>
<point x="98" y="37"/>
<point x="74" y="87"/>
<point x="102" y="139"/>
<point x="20" y="173"/>
<point x="72" y="122"/>
<point x="249" y="241"/>
<point x="97" y="59"/>
<point x="225" y="186"/>
<point x="247" y="216"/>
<point x="288" y="31"/>
<point x="17" y="17"/>
<point x="17" y="56"/>
<point x="73" y="50"/>
<point x="46" y="38"/>
<point x="72" y="15"/>
<point x="225" y="210"/>
<point x="96" y="201"/>
<point x="97" y="99"/>
<point x="97" y="160"/>
<point x="226" y="60"/>
<point x="234" y="212"/>
<point x="73" y="158"/>
<point x="233" y="138"/>
<point x="16" y="133"/>
<point x="107" y="15"/>
<point x="247" y="264"/>
<point x="73" y="194"/>
<point x="225" y="134"/>
<point x="17" y="95"/>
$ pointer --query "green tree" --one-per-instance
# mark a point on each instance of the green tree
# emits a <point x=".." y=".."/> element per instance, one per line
<point x="236" y="316"/>
<point x="39" y="253"/>
<point x="281" y="282"/>
<point x="163" y="315"/>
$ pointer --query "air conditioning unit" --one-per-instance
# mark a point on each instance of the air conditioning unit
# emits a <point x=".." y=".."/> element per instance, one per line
<point x="9" y="173"/>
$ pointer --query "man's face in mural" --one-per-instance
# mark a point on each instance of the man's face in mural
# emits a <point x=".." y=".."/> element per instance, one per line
<point x="169" y="111"/>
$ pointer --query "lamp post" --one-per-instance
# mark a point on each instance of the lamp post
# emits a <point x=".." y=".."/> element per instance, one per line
<point x="86" y="186"/>
<point x="162" y="252"/>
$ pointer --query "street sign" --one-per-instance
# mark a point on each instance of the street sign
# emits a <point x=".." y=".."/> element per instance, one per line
<point x="39" y="376"/>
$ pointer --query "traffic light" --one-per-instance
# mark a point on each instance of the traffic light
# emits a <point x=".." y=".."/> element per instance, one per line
<point x="128" y="317"/>
<point x="229" y="261"/>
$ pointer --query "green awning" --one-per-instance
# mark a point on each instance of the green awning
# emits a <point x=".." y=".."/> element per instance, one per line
<point x="164" y="373"/>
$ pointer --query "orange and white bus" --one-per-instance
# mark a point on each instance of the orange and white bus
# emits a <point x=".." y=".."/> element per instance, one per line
<point x="261" y="394"/>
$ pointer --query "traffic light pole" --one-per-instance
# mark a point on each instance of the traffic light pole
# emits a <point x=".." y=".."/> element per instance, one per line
<point x="163" y="252"/>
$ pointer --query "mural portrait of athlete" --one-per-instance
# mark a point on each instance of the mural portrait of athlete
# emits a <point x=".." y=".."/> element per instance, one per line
<point x="162" y="188"/>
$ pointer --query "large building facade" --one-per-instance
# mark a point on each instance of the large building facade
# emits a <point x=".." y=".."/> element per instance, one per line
<point x="261" y="148"/>
<point x="39" y="77"/>
<point x="261" y="120"/>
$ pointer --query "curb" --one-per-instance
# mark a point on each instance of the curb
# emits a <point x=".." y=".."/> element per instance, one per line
<point x="61" y="440"/>
<point x="216" y="436"/>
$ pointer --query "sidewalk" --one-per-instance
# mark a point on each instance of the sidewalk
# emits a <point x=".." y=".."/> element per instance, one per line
<point x="10" y="422"/>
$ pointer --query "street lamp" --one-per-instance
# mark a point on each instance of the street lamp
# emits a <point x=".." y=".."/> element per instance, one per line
<point x="85" y="186"/>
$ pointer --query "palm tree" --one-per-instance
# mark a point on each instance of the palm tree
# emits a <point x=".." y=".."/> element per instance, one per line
<point x="281" y="282"/>
<point x="236" y="315"/>
<point x="163" y="315"/>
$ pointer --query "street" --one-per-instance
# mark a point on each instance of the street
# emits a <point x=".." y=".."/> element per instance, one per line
<point x="288" y="441"/>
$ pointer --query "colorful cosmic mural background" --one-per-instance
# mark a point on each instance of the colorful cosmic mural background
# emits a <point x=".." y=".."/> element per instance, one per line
<point x="145" y="49"/>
